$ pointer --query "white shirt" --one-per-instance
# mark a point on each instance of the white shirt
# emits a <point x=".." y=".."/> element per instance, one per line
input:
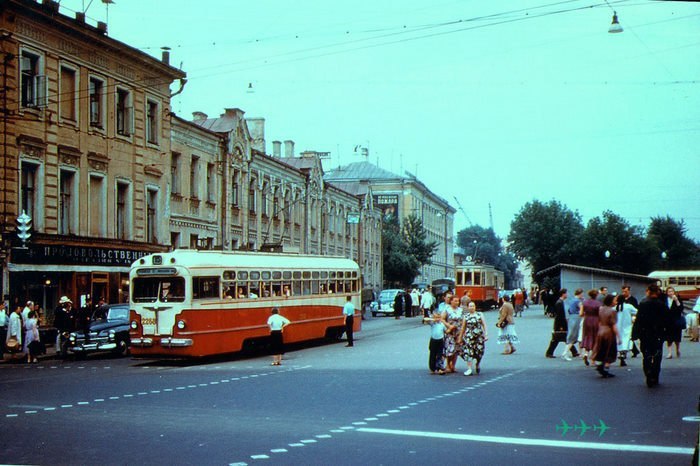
<point x="276" y="322"/>
<point x="427" y="300"/>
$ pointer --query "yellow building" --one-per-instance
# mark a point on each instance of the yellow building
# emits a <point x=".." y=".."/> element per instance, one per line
<point x="85" y="153"/>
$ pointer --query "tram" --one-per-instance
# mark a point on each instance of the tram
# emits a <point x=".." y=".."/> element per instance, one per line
<point x="481" y="281"/>
<point x="189" y="303"/>
<point x="685" y="282"/>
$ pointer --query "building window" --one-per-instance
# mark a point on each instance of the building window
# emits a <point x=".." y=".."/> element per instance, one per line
<point x="151" y="216"/>
<point x="68" y="98"/>
<point x="174" y="239"/>
<point x="67" y="197"/>
<point x="175" y="173"/>
<point x="264" y="200"/>
<point x="97" y="206"/>
<point x="123" y="211"/>
<point x="32" y="81"/>
<point x="251" y="197"/>
<point x="124" y="112"/>
<point x="211" y="183"/>
<point x="96" y="91"/>
<point x="194" y="241"/>
<point x="152" y="121"/>
<point x="234" y="188"/>
<point x="29" y="189"/>
<point x="194" y="174"/>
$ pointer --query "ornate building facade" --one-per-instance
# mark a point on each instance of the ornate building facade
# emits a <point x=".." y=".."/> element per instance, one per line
<point x="84" y="146"/>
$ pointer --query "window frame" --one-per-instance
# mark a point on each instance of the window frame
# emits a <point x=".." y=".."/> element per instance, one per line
<point x="96" y="97"/>
<point x="74" y="120"/>
<point x="151" y="121"/>
<point x="123" y="112"/>
<point x="36" y="81"/>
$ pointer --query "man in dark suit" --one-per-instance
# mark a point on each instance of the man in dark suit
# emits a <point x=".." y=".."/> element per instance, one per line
<point x="408" y="303"/>
<point x="398" y="305"/>
<point x="560" y="326"/>
<point x="649" y="328"/>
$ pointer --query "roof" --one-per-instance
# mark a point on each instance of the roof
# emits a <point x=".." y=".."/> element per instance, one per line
<point x="360" y="171"/>
<point x="249" y="260"/>
<point x="613" y="273"/>
<point x="352" y="187"/>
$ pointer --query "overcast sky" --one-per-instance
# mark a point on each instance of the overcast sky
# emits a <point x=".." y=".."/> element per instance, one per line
<point x="498" y="102"/>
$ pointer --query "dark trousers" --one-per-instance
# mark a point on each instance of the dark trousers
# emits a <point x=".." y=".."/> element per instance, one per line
<point x="349" y="321"/>
<point x="553" y="345"/>
<point x="652" y="350"/>
<point x="435" y="357"/>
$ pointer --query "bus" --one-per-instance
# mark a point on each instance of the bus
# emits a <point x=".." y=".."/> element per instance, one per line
<point x="189" y="304"/>
<point x="481" y="281"/>
<point x="685" y="282"/>
<point x="441" y="286"/>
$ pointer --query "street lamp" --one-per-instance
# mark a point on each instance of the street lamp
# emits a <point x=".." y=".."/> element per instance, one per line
<point x="607" y="254"/>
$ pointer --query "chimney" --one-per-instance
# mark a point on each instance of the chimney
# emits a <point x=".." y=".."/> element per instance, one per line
<point x="102" y="27"/>
<point x="166" y="55"/>
<point x="289" y="148"/>
<point x="199" y="116"/>
<point x="80" y="17"/>
<point x="50" y="5"/>
<point x="232" y="113"/>
<point x="276" y="149"/>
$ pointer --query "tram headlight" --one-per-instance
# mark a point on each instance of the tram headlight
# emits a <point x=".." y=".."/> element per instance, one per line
<point x="134" y="325"/>
<point x="181" y="324"/>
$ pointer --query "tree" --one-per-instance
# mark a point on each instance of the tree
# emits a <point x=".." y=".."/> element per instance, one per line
<point x="484" y="246"/>
<point x="404" y="251"/>
<point x="612" y="243"/>
<point x="545" y="234"/>
<point x="416" y="239"/>
<point x="668" y="236"/>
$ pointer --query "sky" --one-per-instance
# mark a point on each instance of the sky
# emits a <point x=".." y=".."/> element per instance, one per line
<point x="495" y="103"/>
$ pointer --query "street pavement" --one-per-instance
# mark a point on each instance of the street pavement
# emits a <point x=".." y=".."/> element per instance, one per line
<point x="373" y="404"/>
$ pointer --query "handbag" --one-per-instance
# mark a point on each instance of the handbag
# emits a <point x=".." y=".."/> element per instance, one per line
<point x="559" y="336"/>
<point x="12" y="344"/>
<point x="502" y="324"/>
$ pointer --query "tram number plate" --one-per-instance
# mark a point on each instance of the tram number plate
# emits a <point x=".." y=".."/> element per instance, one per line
<point x="148" y="321"/>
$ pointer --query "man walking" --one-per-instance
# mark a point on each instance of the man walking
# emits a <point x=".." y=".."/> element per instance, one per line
<point x="349" y="313"/>
<point x="650" y="328"/>
<point x="560" y="326"/>
<point x="574" y="308"/>
<point x="427" y="300"/>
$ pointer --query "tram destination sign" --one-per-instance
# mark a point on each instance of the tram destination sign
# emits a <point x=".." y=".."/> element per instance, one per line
<point x="76" y="255"/>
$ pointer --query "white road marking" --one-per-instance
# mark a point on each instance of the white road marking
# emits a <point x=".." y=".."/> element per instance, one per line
<point x="295" y="445"/>
<point x="324" y="436"/>
<point x="279" y="450"/>
<point x="310" y="440"/>
<point x="259" y="457"/>
<point x="536" y="442"/>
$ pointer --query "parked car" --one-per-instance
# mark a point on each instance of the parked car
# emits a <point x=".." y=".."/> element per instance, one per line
<point x="386" y="302"/>
<point x="108" y="332"/>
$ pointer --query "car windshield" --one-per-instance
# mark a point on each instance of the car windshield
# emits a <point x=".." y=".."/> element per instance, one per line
<point x="387" y="294"/>
<point x="118" y="313"/>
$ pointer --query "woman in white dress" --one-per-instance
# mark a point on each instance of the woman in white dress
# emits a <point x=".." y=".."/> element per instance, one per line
<point x="625" y="314"/>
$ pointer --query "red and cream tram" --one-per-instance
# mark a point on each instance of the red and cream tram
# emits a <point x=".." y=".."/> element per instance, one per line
<point x="190" y="303"/>
<point x="481" y="281"/>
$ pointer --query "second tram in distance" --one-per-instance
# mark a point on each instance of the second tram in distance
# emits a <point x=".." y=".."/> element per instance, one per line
<point x="481" y="281"/>
<point x="190" y="303"/>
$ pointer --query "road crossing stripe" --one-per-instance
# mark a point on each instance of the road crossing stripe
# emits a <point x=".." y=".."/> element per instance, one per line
<point x="536" y="442"/>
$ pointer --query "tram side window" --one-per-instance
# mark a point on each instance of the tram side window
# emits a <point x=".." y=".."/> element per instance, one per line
<point x="205" y="287"/>
<point x="477" y="278"/>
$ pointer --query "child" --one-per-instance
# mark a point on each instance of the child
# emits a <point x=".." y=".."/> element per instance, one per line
<point x="437" y="335"/>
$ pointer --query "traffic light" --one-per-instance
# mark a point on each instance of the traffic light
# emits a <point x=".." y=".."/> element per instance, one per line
<point x="24" y="224"/>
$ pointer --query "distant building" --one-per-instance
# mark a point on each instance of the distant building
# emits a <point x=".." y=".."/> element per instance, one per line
<point x="400" y="197"/>
<point x="577" y="276"/>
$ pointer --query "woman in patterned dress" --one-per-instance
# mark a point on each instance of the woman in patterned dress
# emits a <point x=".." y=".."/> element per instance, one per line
<point x="506" y="327"/>
<point x="473" y="335"/>
<point x="452" y="316"/>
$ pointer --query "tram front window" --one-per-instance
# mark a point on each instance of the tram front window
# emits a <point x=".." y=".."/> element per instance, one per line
<point x="149" y="290"/>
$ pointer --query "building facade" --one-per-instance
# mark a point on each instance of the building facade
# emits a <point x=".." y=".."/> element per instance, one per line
<point x="84" y="152"/>
<point x="401" y="197"/>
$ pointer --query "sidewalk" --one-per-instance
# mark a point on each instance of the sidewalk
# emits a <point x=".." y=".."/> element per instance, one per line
<point x="14" y="358"/>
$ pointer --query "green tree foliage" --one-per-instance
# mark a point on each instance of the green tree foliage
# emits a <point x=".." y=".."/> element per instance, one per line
<point x="668" y="235"/>
<point x="404" y="251"/>
<point x="416" y="239"/>
<point x="545" y="234"/>
<point x="610" y="242"/>
<point x="485" y="247"/>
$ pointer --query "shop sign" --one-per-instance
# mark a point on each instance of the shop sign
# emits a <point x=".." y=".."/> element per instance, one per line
<point x="76" y="255"/>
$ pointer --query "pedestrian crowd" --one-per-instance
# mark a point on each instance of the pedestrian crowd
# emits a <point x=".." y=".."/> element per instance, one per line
<point x="607" y="327"/>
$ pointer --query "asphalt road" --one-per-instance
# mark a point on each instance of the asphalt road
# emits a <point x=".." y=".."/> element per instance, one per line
<point x="374" y="404"/>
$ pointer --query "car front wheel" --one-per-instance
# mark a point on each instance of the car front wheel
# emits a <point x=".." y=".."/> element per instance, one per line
<point x="122" y="348"/>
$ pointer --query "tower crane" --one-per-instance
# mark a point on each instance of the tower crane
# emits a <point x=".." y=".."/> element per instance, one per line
<point x="461" y="209"/>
